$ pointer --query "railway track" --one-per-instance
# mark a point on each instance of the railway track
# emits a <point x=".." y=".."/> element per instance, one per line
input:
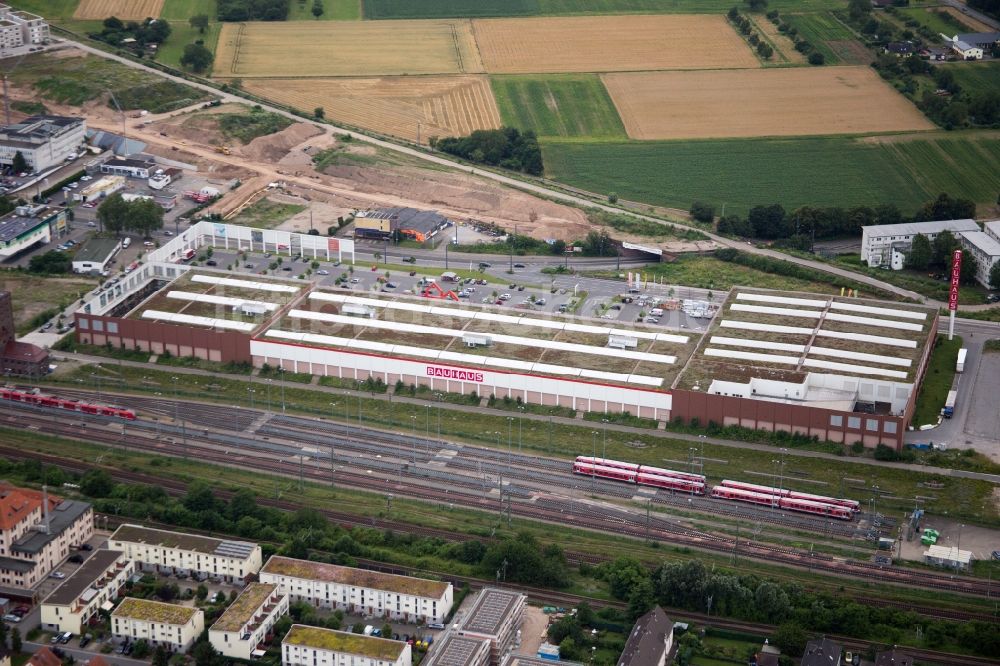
<point x="588" y="515"/>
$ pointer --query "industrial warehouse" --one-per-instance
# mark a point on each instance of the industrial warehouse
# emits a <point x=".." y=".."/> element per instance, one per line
<point x="770" y="360"/>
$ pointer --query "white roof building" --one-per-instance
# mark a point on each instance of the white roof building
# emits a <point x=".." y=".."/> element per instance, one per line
<point x="948" y="556"/>
<point x="985" y="247"/>
<point x="877" y="241"/>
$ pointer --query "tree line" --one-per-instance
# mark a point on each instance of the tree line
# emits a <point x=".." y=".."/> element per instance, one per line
<point x="937" y="254"/>
<point x="798" y="228"/>
<point x="252" y="10"/>
<point x="508" y="148"/>
<point x="114" y="31"/>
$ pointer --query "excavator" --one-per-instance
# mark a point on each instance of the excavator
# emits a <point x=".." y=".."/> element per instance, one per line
<point x="432" y="290"/>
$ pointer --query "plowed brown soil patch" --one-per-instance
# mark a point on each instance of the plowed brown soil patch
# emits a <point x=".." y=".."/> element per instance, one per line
<point x="441" y="105"/>
<point x="609" y="44"/>
<point x="130" y="10"/>
<point x="349" y="48"/>
<point x="765" y="102"/>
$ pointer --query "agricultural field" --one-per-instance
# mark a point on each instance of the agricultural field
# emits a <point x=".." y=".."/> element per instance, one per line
<point x="765" y="102"/>
<point x="182" y="10"/>
<point x="439" y="105"/>
<point x="608" y="44"/>
<point x="569" y="105"/>
<point x="181" y="35"/>
<point x="784" y="48"/>
<point x="832" y="171"/>
<point x="938" y="20"/>
<point x="330" y="48"/>
<point x="333" y="10"/>
<point x="134" y="10"/>
<point x="398" y="9"/>
<point x="983" y="75"/>
<point x="830" y="37"/>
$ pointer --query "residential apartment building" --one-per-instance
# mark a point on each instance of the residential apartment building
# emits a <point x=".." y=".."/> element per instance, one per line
<point x="451" y="649"/>
<point x="173" y="626"/>
<point x="887" y="244"/>
<point x="241" y="631"/>
<point x="984" y="246"/>
<point x="91" y="588"/>
<point x="359" y="590"/>
<point x="495" y="616"/>
<point x="37" y="532"/>
<point x="312" y="646"/>
<point x="19" y="28"/>
<point x="199" y="556"/>
<point x="651" y="641"/>
<point x="43" y="141"/>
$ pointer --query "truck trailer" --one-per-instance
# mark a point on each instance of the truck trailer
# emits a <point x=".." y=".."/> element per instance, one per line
<point x="960" y="364"/>
<point x="949" y="404"/>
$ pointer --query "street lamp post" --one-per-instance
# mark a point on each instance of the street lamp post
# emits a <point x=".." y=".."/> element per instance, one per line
<point x="604" y="455"/>
<point x="520" y="429"/>
<point x="593" y="468"/>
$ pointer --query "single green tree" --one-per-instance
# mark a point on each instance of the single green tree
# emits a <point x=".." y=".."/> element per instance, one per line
<point x="112" y="214"/>
<point x="16" y="644"/>
<point x="319" y="112"/>
<point x="19" y="164"/>
<point x="317" y="8"/>
<point x="160" y="656"/>
<point x="144" y="217"/>
<point x="969" y="269"/>
<point x="201" y="593"/>
<point x="921" y="253"/>
<point x="199" y="21"/>
<point x="944" y="245"/>
<point x="196" y="57"/>
<point x="995" y="276"/>
<point x="387" y="630"/>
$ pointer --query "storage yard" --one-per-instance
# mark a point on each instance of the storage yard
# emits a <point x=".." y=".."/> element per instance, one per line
<point x="439" y="105"/>
<point x="766" y="102"/>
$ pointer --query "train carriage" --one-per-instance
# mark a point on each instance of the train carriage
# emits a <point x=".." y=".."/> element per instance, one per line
<point x="604" y="462"/>
<point x="673" y="473"/>
<point x="589" y="469"/>
<point x="741" y="495"/>
<point x="54" y="402"/>
<point x="671" y="483"/>
<point x="783" y="492"/>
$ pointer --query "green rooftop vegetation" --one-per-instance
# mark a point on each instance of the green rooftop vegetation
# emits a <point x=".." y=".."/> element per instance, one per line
<point x="342" y="641"/>
<point x="154" y="611"/>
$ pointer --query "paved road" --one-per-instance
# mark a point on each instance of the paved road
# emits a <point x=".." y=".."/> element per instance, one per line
<point x="548" y="191"/>
<point x="964" y="8"/>
<point x="82" y="656"/>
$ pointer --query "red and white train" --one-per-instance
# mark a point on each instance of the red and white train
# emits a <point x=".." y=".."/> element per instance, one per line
<point x="639" y="474"/>
<point x="790" y="503"/>
<point x="793" y="494"/>
<point x="43" y="400"/>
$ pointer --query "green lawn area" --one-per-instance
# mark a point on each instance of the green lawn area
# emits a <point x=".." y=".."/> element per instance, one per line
<point x="575" y="105"/>
<point x="818" y="29"/>
<point x="982" y="75"/>
<point x="183" y="34"/>
<point x="830" y="171"/>
<point x="386" y="9"/>
<point x="34" y="297"/>
<point x="916" y="281"/>
<point x="333" y="10"/>
<point x="50" y="9"/>
<point x="267" y="214"/>
<point x="182" y="10"/>
<point x="939" y="23"/>
<point x="937" y="382"/>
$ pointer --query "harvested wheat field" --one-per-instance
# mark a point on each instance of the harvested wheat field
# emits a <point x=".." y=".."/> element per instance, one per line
<point x="350" y="48"/>
<point x="129" y="10"/>
<point x="441" y="105"/>
<point x="764" y="102"/>
<point x="609" y="44"/>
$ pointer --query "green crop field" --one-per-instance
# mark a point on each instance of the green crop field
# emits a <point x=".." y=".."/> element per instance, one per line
<point x="979" y="76"/>
<point x="836" y="171"/>
<point x="391" y="9"/>
<point x="333" y="10"/>
<point x="818" y="29"/>
<point x="574" y="105"/>
<point x="182" y="10"/>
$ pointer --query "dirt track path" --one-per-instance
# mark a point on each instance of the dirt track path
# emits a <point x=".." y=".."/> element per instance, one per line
<point x="545" y="191"/>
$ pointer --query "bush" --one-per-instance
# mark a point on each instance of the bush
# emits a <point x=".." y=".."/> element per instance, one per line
<point x="816" y="58"/>
<point x="508" y="148"/>
<point x="702" y="212"/>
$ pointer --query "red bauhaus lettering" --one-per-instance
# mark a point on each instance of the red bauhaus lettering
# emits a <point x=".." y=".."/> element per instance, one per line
<point x="454" y="373"/>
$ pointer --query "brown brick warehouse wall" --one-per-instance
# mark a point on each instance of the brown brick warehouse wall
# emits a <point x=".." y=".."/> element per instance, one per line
<point x="157" y="337"/>
<point x="775" y="416"/>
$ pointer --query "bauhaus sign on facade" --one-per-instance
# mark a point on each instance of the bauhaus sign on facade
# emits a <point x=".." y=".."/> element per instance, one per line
<point x="454" y="373"/>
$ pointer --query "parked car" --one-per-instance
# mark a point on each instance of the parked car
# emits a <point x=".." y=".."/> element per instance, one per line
<point x="518" y="265"/>
<point x="64" y="638"/>
<point x="85" y="640"/>
<point x="149" y="244"/>
<point x="76" y="558"/>
<point x="86" y="546"/>
<point x="10" y="617"/>
<point x="211" y="262"/>
<point x="58" y="575"/>
<point x="322" y="271"/>
<point x="435" y="625"/>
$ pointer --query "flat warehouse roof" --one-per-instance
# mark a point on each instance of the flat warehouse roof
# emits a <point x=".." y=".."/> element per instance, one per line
<point x="334" y="573"/>
<point x="913" y="228"/>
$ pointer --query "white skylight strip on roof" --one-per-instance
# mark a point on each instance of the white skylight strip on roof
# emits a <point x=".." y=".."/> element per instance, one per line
<point x="669" y="337"/>
<point x="864" y="337"/>
<point x="509" y="363"/>
<point x="606" y="376"/>
<point x="219" y="300"/>
<point x="453" y="312"/>
<point x="889" y="312"/>
<point x="764" y="298"/>
<point x="192" y="320"/>
<point x="761" y="344"/>
<point x="756" y="326"/>
<point x="861" y="356"/>
<point x="544" y="323"/>
<point x="245" y="284"/>
<point x="333" y="298"/>
<point x="469" y="359"/>
<point x="501" y="318"/>
<point x="853" y="369"/>
<point x="751" y="356"/>
<point x="556" y="369"/>
<point x="416" y="351"/>
<point x="868" y="321"/>
<point x="645" y="381"/>
<point x="781" y="312"/>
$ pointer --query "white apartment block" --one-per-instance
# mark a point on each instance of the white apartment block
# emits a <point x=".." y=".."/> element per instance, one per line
<point x="91" y="588"/>
<point x="241" y="631"/>
<point x="985" y="247"/>
<point x="359" y="590"/>
<point x="43" y="141"/>
<point x="173" y="626"/>
<point x="198" y="556"/>
<point x="34" y="541"/>
<point x="19" y="28"/>
<point x="312" y="646"/>
<point x="887" y="244"/>
<point x="495" y="616"/>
